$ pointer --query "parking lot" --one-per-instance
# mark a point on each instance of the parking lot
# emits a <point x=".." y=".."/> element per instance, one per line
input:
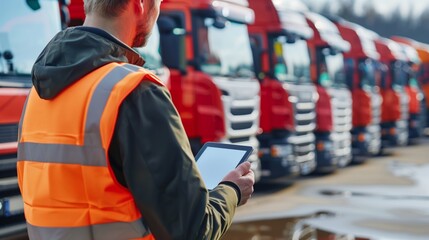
<point x="383" y="198"/>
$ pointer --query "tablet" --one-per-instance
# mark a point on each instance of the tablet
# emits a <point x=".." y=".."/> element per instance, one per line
<point x="216" y="160"/>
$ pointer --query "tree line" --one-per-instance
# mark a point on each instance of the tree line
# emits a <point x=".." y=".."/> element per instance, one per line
<point x="410" y="26"/>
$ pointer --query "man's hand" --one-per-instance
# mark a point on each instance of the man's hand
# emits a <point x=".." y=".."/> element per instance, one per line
<point x="244" y="178"/>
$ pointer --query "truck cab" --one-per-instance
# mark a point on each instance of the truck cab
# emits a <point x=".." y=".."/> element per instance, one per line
<point x="395" y="100"/>
<point x="417" y="118"/>
<point x="287" y="94"/>
<point x="423" y="79"/>
<point x="334" y="106"/>
<point x="417" y="114"/>
<point x="422" y="75"/>
<point x="25" y="28"/>
<point x="206" y="46"/>
<point x="360" y="66"/>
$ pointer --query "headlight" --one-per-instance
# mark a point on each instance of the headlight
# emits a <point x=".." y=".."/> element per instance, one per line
<point x="324" y="146"/>
<point x="281" y="150"/>
<point x="329" y="146"/>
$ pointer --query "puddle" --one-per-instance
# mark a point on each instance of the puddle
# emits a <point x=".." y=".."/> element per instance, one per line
<point x="288" y="228"/>
<point x="350" y="212"/>
<point x="363" y="194"/>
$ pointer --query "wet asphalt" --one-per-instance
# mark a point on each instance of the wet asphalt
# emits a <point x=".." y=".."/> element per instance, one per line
<point x="386" y="197"/>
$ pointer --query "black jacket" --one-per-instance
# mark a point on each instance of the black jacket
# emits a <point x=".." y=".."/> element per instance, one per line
<point x="149" y="153"/>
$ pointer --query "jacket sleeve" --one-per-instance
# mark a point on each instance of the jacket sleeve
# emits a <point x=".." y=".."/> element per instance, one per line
<point x="150" y="155"/>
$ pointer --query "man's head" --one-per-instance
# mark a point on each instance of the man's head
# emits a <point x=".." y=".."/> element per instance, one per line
<point x="138" y="14"/>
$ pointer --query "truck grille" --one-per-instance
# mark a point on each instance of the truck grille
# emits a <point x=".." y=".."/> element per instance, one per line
<point x="238" y="140"/>
<point x="402" y="124"/>
<point x="342" y="124"/>
<point x="241" y="125"/>
<point x="303" y="141"/>
<point x="241" y="108"/>
<point x="374" y="130"/>
<point x="241" y="111"/>
<point x="305" y="117"/>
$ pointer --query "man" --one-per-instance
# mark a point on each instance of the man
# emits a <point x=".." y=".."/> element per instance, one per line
<point x="102" y="153"/>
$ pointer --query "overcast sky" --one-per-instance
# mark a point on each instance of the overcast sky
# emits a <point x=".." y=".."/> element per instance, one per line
<point x="384" y="7"/>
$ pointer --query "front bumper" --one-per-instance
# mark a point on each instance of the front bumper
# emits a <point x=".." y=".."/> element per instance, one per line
<point x="277" y="158"/>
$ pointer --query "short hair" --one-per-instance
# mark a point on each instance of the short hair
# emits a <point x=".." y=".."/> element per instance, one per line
<point x="106" y="8"/>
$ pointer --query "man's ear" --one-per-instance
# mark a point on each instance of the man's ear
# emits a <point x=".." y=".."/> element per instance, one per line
<point x="139" y="6"/>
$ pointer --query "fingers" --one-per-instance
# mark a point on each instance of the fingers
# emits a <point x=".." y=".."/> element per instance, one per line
<point x="243" y="168"/>
<point x="251" y="174"/>
<point x="244" y="178"/>
<point x="246" y="187"/>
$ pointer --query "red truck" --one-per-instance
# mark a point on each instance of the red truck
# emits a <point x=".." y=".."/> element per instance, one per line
<point x="422" y="74"/>
<point x="25" y="28"/>
<point x="423" y="79"/>
<point x="334" y="106"/>
<point x="287" y="95"/>
<point x="415" y="72"/>
<point x="212" y="85"/>
<point x="395" y="100"/>
<point x="360" y="66"/>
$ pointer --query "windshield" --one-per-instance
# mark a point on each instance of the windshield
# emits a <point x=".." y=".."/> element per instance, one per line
<point x="382" y="79"/>
<point x="399" y="73"/>
<point x="291" y="60"/>
<point x="331" y="68"/>
<point x="413" y="75"/>
<point x="150" y="52"/>
<point x="367" y="73"/>
<point x="224" y="51"/>
<point x="24" y="32"/>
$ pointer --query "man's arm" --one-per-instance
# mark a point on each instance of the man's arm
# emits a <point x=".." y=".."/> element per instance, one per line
<point x="150" y="155"/>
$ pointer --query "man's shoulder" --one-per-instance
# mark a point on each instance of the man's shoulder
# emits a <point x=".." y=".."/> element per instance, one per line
<point x="147" y="75"/>
<point x="149" y="89"/>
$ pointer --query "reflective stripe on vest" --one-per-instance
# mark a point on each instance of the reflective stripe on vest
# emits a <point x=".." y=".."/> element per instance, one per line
<point x="107" y="231"/>
<point x="68" y="188"/>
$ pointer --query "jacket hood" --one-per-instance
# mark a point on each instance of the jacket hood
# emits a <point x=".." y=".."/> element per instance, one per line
<point x="72" y="54"/>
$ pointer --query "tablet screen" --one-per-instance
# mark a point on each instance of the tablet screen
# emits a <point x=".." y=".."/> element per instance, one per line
<point x="214" y="163"/>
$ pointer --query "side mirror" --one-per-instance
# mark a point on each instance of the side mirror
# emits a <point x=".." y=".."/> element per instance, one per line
<point x="166" y="25"/>
<point x="65" y="2"/>
<point x="65" y="16"/>
<point x="172" y="44"/>
<point x="257" y="54"/>
<point x="8" y="56"/>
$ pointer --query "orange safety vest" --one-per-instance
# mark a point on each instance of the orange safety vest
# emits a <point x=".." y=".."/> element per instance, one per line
<point x="67" y="185"/>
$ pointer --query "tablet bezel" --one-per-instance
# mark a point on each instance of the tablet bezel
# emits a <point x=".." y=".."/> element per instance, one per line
<point x="248" y="150"/>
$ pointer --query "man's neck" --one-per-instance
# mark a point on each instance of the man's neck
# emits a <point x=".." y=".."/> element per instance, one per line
<point x="115" y="27"/>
